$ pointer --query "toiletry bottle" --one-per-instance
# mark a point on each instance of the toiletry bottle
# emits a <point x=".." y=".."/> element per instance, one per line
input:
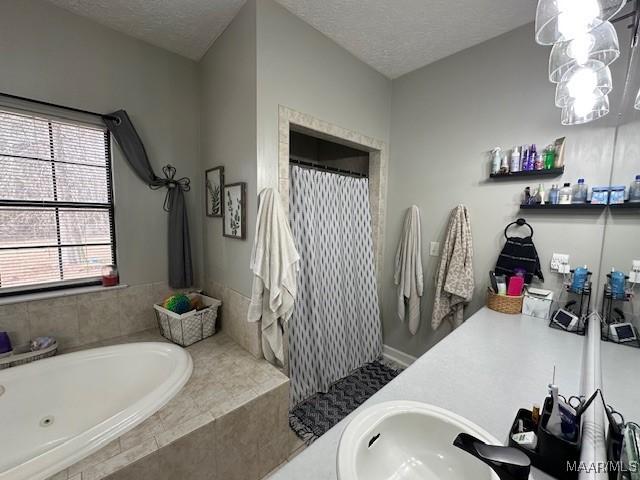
<point x="562" y="422"/>
<point x="564" y="196"/>
<point x="549" y="157"/>
<point x="531" y="161"/>
<point x="617" y="283"/>
<point x="538" y="162"/>
<point x="554" y="423"/>
<point x="553" y="195"/>
<point x="515" y="159"/>
<point x="504" y="163"/>
<point x="495" y="160"/>
<point x="524" y="157"/>
<point x="580" y="276"/>
<point x="634" y="191"/>
<point x="541" y="195"/>
<point x="579" y="192"/>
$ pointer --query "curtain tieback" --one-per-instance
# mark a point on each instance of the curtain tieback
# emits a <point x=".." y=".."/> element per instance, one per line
<point x="171" y="183"/>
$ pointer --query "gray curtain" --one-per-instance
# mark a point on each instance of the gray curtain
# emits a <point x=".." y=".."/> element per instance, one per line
<point x="335" y="327"/>
<point x="180" y="265"/>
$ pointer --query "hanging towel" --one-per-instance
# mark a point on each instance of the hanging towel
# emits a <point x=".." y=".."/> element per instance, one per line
<point x="454" y="281"/>
<point x="519" y="252"/>
<point x="274" y="263"/>
<point x="408" y="271"/>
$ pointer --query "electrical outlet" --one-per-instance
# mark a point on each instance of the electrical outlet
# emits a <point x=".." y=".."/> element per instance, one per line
<point x="557" y="262"/>
<point x="434" y="249"/>
<point x="636" y="265"/>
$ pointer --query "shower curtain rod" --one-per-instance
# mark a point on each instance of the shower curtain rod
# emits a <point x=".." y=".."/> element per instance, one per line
<point x="316" y="166"/>
<point x="62" y="107"/>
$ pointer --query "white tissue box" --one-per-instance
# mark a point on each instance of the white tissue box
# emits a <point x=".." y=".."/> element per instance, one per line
<point x="537" y="303"/>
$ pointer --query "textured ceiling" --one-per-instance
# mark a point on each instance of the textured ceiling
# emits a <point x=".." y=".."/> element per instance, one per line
<point x="393" y="36"/>
<point x="398" y="36"/>
<point x="186" y="27"/>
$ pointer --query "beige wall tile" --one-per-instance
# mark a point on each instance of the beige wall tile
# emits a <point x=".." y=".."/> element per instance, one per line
<point x="63" y="475"/>
<point x="193" y="457"/>
<point x="105" y="453"/>
<point x="179" y="409"/>
<point x="14" y="321"/>
<point x="56" y="317"/>
<point x="117" y="462"/>
<point x="236" y="444"/>
<point x="136" y="306"/>
<point x="151" y="427"/>
<point x="98" y="320"/>
<point x="183" y="429"/>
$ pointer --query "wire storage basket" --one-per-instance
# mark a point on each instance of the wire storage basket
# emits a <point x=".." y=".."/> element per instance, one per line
<point x="190" y="327"/>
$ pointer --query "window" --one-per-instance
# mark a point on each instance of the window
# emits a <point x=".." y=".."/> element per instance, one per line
<point x="56" y="202"/>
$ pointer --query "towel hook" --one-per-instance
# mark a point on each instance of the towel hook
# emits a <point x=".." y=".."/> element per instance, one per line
<point x="521" y="222"/>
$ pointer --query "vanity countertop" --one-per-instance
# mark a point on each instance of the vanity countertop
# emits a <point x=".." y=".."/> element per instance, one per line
<point x="620" y="382"/>
<point x="485" y="370"/>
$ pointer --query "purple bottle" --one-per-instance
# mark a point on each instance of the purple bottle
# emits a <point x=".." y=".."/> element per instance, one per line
<point x="531" y="160"/>
<point x="5" y="343"/>
<point x="524" y="157"/>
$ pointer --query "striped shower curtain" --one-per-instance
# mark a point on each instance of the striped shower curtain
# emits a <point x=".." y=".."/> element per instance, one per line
<point x="335" y="327"/>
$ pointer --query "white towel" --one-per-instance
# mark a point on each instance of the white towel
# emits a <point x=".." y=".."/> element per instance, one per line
<point x="408" y="271"/>
<point x="274" y="263"/>
<point x="454" y="281"/>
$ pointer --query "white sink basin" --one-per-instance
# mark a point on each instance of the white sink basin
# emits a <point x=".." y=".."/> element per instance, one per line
<point x="409" y="441"/>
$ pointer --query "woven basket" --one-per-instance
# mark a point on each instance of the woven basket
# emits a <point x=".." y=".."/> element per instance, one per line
<point x="504" y="304"/>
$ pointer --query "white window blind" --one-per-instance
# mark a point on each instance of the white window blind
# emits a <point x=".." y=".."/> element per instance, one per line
<point x="56" y="202"/>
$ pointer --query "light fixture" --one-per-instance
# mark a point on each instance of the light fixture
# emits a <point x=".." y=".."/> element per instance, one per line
<point x="637" y="105"/>
<point x="585" y="109"/>
<point x="600" y="44"/>
<point x="564" y="20"/>
<point x="582" y="82"/>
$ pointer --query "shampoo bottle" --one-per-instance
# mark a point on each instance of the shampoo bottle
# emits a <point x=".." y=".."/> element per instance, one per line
<point x="495" y="160"/>
<point x="515" y="159"/>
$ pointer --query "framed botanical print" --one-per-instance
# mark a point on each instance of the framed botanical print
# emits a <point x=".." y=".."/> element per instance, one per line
<point x="214" y="183"/>
<point x="235" y="210"/>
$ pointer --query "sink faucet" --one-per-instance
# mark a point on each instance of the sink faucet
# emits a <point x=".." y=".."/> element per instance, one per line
<point x="508" y="463"/>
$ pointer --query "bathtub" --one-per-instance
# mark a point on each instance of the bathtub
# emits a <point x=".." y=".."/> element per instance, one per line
<point x="55" y="412"/>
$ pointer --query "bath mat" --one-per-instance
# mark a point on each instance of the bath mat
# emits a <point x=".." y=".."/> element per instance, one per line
<point x="313" y="417"/>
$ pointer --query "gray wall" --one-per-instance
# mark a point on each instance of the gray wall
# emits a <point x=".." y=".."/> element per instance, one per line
<point x="445" y="118"/>
<point x="228" y="87"/>
<point x="300" y="68"/>
<point x="49" y="54"/>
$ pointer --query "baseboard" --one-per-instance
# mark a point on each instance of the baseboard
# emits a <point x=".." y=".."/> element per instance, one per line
<point x="397" y="356"/>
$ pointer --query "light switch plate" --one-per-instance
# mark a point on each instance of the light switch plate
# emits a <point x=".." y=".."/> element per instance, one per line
<point x="434" y="249"/>
<point x="557" y="260"/>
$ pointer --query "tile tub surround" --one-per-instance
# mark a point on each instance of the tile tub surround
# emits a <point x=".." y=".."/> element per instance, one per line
<point x="85" y="318"/>
<point x="229" y="422"/>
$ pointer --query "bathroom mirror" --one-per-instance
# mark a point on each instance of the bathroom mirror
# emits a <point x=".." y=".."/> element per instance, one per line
<point x="621" y="246"/>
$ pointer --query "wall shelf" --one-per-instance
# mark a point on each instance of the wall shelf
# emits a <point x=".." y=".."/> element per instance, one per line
<point x="625" y="206"/>
<point x="552" y="172"/>
<point x="573" y="206"/>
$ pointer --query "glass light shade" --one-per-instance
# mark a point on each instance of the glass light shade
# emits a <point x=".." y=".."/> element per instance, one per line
<point x="564" y="20"/>
<point x="600" y="44"/>
<point x="582" y="81"/>
<point x="637" y="105"/>
<point x="585" y="110"/>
